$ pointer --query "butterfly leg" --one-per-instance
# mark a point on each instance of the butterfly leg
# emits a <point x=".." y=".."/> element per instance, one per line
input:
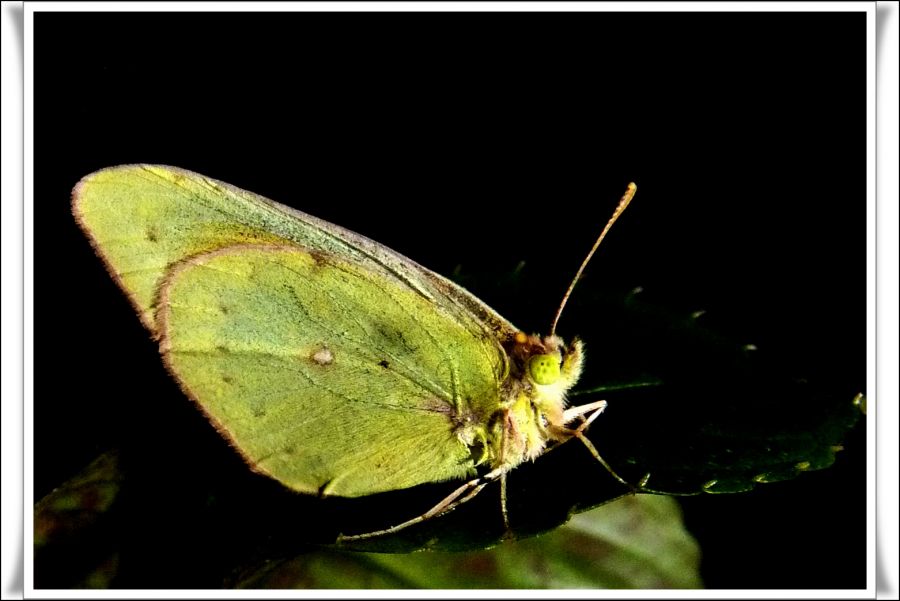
<point x="595" y="409"/>
<point x="503" y="508"/>
<point x="503" y="444"/>
<point x="579" y="411"/>
<point x="464" y="493"/>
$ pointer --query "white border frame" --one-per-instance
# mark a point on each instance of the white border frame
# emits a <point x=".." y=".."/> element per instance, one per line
<point x="887" y="315"/>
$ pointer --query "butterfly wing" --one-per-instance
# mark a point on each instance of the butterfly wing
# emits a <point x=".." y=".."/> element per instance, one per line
<point x="324" y="374"/>
<point x="332" y="363"/>
<point x="142" y="219"/>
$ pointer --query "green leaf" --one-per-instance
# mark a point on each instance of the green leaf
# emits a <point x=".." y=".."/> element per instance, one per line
<point x="723" y="415"/>
<point x="636" y="542"/>
<point x="84" y="539"/>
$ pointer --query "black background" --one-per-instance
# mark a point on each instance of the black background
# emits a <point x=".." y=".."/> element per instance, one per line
<point x="482" y="140"/>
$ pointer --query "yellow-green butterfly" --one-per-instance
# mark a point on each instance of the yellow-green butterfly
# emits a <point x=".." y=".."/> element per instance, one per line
<point x="330" y="362"/>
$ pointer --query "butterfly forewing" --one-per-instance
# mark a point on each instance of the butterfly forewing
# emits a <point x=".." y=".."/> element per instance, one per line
<point x="142" y="219"/>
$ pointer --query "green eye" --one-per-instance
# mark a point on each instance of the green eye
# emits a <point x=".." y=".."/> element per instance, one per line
<point x="544" y="369"/>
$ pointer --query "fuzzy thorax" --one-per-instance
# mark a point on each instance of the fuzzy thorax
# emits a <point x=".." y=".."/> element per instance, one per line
<point x="533" y="399"/>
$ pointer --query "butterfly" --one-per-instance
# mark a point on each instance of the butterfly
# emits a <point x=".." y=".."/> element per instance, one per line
<point x="331" y="363"/>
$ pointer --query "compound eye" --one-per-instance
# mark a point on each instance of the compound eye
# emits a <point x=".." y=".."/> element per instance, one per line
<point x="544" y="369"/>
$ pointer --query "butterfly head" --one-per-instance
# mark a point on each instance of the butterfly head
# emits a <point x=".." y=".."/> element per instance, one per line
<point x="547" y="364"/>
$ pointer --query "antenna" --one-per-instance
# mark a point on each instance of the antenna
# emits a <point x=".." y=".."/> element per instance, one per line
<point x="623" y="204"/>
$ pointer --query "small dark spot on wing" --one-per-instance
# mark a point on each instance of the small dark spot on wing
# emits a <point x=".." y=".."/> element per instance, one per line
<point x="383" y="363"/>
<point x="389" y="335"/>
<point x="152" y="234"/>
